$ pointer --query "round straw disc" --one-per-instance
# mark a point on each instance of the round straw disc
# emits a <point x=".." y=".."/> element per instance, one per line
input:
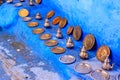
<point x="51" y="43"/>
<point x="38" y="31"/>
<point x="23" y="12"/>
<point x="56" y="20"/>
<point x="62" y="23"/>
<point x="70" y="30"/>
<point x="57" y="50"/>
<point x="45" y="36"/>
<point x="77" y="33"/>
<point x="38" y="1"/>
<point x="50" y="14"/>
<point x="89" y="42"/>
<point x="32" y="24"/>
<point x="102" y="53"/>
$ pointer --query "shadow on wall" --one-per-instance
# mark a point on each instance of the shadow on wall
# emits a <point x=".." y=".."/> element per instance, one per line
<point x="0" y="28"/>
<point x="101" y="18"/>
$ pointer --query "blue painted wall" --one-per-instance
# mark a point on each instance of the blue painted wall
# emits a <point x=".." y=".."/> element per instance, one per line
<point x="99" y="17"/>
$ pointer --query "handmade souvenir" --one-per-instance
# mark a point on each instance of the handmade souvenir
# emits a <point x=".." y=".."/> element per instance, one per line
<point x="18" y="4"/>
<point x="46" y="23"/>
<point x="38" y="16"/>
<point x="67" y="59"/>
<point x="69" y="43"/>
<point x="45" y="36"/>
<point x="9" y="1"/>
<point x="50" y="14"/>
<point x="102" y="53"/>
<point x="106" y="64"/>
<point x="62" y="22"/>
<point x="38" y="1"/>
<point x="32" y="24"/>
<point x="56" y="20"/>
<point x="83" y="53"/>
<point x="89" y="42"/>
<point x="100" y="74"/>
<point x="51" y="43"/>
<point x="77" y="33"/>
<point x="57" y="50"/>
<point x="38" y="31"/>
<point x="27" y="19"/>
<point x="70" y="30"/>
<point x="31" y="3"/>
<point x="23" y="12"/>
<point x="59" y="33"/>
<point x="83" y="68"/>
